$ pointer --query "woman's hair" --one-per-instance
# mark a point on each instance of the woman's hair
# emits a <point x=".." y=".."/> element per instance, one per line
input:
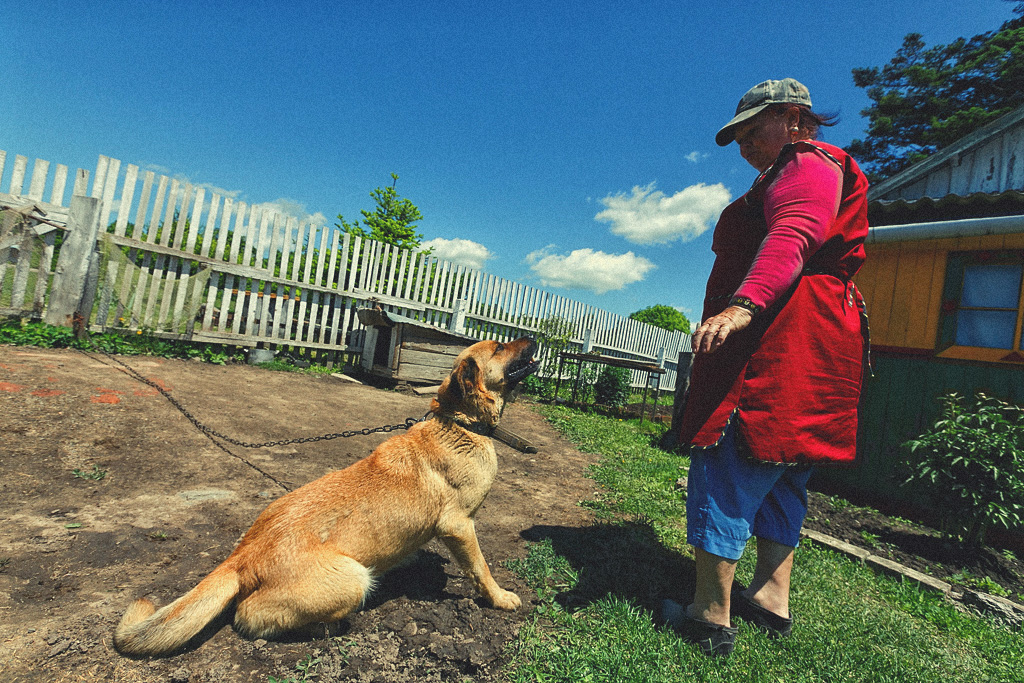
<point x="810" y="121"/>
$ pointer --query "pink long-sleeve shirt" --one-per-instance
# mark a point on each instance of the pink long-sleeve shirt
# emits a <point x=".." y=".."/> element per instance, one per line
<point x="799" y="207"/>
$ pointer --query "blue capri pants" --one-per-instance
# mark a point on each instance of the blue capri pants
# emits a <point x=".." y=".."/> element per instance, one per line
<point x="730" y="497"/>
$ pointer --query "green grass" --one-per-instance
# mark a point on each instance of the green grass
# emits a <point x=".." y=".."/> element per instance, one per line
<point x="599" y="586"/>
<point x="27" y="333"/>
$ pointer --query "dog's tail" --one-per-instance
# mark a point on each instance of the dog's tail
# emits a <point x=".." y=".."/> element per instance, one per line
<point x="145" y="631"/>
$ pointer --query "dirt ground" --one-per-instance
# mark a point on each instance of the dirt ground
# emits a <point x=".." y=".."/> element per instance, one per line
<point x="74" y="551"/>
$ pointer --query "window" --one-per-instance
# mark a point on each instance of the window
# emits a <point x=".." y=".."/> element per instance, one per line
<point x="984" y="302"/>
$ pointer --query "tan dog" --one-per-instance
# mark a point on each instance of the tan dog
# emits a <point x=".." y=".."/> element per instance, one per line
<point x="312" y="555"/>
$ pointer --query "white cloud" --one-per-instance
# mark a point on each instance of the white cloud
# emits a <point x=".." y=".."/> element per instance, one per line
<point x="588" y="269"/>
<point x="295" y="209"/>
<point x="464" y="252"/>
<point x="213" y="189"/>
<point x="694" y="157"/>
<point x="647" y="216"/>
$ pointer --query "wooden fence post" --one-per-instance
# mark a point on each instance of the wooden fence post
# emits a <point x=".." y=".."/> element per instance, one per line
<point x="669" y="440"/>
<point x="458" y="322"/>
<point x="76" y="253"/>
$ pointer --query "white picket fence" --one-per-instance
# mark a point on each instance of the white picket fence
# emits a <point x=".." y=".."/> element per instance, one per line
<point x="176" y="260"/>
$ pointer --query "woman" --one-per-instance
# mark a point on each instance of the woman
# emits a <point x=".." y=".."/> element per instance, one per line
<point x="778" y="361"/>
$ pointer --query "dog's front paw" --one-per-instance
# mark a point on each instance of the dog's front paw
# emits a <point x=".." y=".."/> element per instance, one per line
<point x="506" y="600"/>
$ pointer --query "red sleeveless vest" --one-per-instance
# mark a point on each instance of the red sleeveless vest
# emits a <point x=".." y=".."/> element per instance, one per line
<point x="792" y="379"/>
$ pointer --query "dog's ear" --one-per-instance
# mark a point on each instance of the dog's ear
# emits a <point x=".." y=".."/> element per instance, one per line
<point x="457" y="386"/>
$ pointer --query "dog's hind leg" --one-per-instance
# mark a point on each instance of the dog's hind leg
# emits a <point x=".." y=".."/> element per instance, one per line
<point x="325" y="588"/>
<point x="459" y="534"/>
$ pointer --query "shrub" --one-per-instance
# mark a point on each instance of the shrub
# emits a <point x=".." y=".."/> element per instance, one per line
<point x="971" y="465"/>
<point x="612" y="386"/>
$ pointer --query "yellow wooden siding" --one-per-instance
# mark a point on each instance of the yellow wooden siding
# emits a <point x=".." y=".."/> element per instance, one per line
<point x="876" y="280"/>
<point x="902" y="285"/>
<point x="1014" y="241"/>
<point x="919" y="286"/>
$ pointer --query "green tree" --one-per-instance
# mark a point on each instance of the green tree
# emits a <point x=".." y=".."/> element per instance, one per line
<point x="926" y="98"/>
<point x="391" y="222"/>
<point x="662" y="316"/>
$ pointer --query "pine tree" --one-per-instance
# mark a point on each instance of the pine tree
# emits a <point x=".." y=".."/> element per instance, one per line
<point x="927" y="98"/>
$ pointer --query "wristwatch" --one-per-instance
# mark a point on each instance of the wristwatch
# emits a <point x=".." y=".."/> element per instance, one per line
<point x="744" y="302"/>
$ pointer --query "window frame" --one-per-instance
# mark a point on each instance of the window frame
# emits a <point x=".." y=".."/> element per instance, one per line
<point x="956" y="267"/>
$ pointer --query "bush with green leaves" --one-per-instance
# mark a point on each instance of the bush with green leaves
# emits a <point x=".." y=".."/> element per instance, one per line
<point x="971" y="465"/>
<point x="612" y="387"/>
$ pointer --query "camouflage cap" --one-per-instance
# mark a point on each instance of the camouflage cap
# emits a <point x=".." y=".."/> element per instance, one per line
<point x="762" y="95"/>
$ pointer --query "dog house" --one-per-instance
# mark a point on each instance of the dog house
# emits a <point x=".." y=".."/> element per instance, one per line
<point x="401" y="348"/>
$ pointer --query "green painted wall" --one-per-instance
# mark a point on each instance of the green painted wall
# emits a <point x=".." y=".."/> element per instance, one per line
<point x="899" y="403"/>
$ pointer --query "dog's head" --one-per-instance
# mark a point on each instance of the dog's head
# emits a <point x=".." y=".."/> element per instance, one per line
<point x="482" y="378"/>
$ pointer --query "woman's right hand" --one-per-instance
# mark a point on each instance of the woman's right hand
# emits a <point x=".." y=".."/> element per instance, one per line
<point x="713" y="332"/>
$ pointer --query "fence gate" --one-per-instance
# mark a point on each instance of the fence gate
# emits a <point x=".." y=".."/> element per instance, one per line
<point x="27" y="242"/>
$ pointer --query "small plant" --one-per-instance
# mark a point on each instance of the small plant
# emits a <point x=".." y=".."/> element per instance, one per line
<point x="837" y="503"/>
<point x="989" y="586"/>
<point x="612" y="387"/>
<point x="95" y="474"/>
<point x="869" y="538"/>
<point x="343" y="648"/>
<point x="4" y="561"/>
<point x="971" y="465"/>
<point x="308" y="666"/>
<point x="158" y="536"/>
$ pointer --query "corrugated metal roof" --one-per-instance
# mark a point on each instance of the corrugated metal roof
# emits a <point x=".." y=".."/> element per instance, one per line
<point x="947" y="155"/>
<point x="950" y="207"/>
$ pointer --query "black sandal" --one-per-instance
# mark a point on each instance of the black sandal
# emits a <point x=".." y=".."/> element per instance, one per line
<point x="752" y="613"/>
<point x="714" y="640"/>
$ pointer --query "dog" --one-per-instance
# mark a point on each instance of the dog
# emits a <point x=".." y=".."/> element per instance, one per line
<point x="312" y="555"/>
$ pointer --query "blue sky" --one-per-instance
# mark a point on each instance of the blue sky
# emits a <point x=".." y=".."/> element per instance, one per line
<point x="568" y="145"/>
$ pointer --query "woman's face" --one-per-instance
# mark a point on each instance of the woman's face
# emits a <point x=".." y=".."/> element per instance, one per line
<point x="762" y="138"/>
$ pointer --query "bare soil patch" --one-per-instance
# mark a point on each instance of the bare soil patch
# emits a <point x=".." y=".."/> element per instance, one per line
<point x="917" y="546"/>
<point x="75" y="551"/>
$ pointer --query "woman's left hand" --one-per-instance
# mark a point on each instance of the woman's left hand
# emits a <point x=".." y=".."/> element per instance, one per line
<point x="713" y="332"/>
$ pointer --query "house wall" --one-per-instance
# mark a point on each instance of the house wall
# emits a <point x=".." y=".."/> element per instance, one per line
<point x="902" y="284"/>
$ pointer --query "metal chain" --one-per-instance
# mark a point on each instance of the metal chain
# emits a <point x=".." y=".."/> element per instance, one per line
<point x="408" y="424"/>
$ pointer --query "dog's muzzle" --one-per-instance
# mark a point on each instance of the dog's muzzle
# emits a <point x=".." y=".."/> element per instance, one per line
<point x="520" y="370"/>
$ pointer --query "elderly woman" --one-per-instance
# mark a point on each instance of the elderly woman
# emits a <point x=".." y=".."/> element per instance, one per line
<point x="778" y="361"/>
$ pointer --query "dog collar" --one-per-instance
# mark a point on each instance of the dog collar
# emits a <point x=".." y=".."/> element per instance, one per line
<point x="483" y="430"/>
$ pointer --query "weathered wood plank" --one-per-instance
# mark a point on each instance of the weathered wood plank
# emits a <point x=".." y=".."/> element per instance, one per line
<point x="192" y="227"/>
<point x="411" y="372"/>
<point x="18" y="174"/>
<point x="73" y="263"/>
<point x="43" y="278"/>
<point x="81" y="186"/>
<point x="451" y="350"/>
<point x="60" y="179"/>
<point x="131" y="175"/>
<point x="107" y="196"/>
<point x="184" y="285"/>
<point x="37" y="186"/>
<point x="101" y="175"/>
<point x="220" y="229"/>
<point x="22" y="269"/>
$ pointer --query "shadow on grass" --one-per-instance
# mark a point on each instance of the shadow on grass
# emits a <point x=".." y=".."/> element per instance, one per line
<point x="625" y="560"/>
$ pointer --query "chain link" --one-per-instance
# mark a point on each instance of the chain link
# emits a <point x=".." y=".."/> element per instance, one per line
<point x="408" y="424"/>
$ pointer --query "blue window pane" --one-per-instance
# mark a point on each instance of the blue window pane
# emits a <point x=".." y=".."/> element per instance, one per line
<point x="991" y="329"/>
<point x="991" y="286"/>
